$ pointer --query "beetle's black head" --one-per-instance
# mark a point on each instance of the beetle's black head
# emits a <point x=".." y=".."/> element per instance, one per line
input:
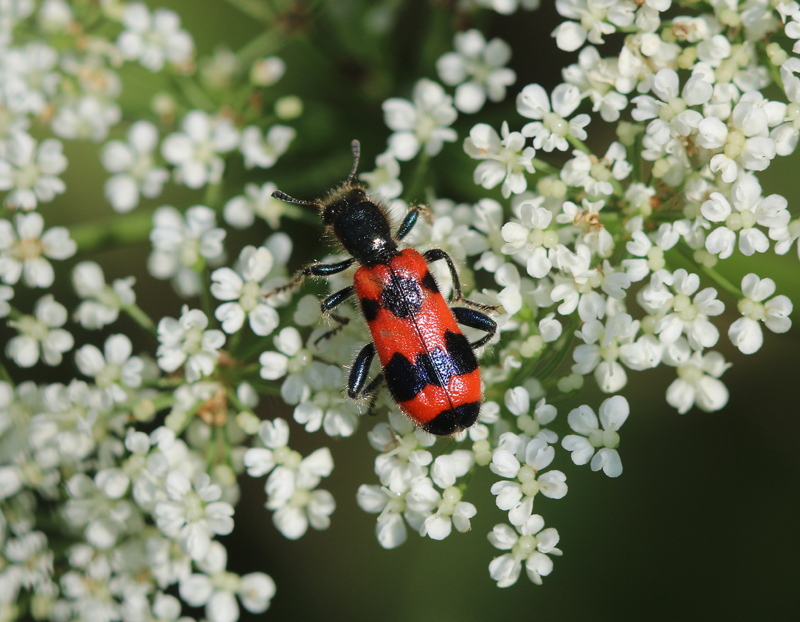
<point x="358" y="222"/>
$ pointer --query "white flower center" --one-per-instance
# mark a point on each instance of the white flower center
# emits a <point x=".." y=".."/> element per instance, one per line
<point x="752" y="309"/>
<point x="193" y="340"/>
<point x="27" y="176"/>
<point x="691" y="374"/>
<point x="109" y="375"/>
<point x="524" y="546"/>
<point x="28" y="248"/>
<point x="29" y="325"/>
<point x="740" y="220"/>
<point x="190" y="252"/>
<point x="556" y="124"/>
<point x="299" y="362"/>
<point x="251" y="296"/>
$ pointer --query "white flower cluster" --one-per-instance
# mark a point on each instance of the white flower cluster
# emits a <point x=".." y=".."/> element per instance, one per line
<point x="600" y="261"/>
<point x="140" y="512"/>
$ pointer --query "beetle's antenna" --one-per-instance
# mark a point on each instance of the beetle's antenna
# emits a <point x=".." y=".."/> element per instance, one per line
<point x="285" y="197"/>
<point x="356" y="147"/>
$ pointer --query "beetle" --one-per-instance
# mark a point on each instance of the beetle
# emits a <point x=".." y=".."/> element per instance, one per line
<point x="427" y="363"/>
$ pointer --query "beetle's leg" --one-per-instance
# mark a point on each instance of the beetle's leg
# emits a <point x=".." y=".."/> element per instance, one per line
<point x="372" y="391"/>
<point x="358" y="378"/>
<point x="360" y="371"/>
<point x="315" y="269"/>
<point x="411" y="219"/>
<point x="436" y="254"/>
<point x="476" y="319"/>
<point x="331" y="302"/>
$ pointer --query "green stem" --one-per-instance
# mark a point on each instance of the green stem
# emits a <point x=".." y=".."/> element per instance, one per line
<point x="212" y="194"/>
<point x="266" y="43"/>
<point x="544" y="167"/>
<point x="195" y="95"/>
<point x="123" y="229"/>
<point x="636" y="159"/>
<point x="257" y="9"/>
<point x="6" y="376"/>
<point x="418" y="178"/>
<point x="142" y="319"/>
<point x="578" y="144"/>
<point x="715" y="276"/>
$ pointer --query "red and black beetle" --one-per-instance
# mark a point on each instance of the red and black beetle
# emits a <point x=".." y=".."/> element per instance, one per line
<point x="428" y="364"/>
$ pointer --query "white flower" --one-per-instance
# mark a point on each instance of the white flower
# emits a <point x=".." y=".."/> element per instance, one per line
<point x="482" y="64"/>
<point x="241" y="211"/>
<point x="522" y="460"/>
<point x="595" y="19"/>
<point x="698" y="378"/>
<point x="264" y="150"/>
<point x="751" y="209"/>
<point x="186" y="341"/>
<point x="423" y="123"/>
<point x="290" y="360"/>
<point x="390" y="530"/>
<point x="327" y="406"/>
<point x="41" y="331"/>
<point x="153" y="39"/>
<point x="25" y="252"/>
<point x="216" y="588"/>
<point x="670" y="113"/>
<point x="592" y="443"/>
<point x="745" y="143"/>
<point x="518" y="402"/>
<point x="134" y="167"/>
<point x="193" y="512"/>
<point x="745" y="332"/>
<point x="244" y="288"/>
<point x="651" y="251"/>
<point x="505" y="160"/>
<point x="532" y="237"/>
<point x="195" y="150"/>
<point x="602" y="348"/>
<point x="290" y="490"/>
<point x="181" y="247"/>
<point x="384" y="179"/>
<point x="680" y="313"/>
<point x="102" y="302"/>
<point x="530" y="544"/>
<point x="551" y="128"/>
<point x="31" y="173"/>
<point x="89" y="117"/>
<point x="451" y="512"/>
<point x="111" y="368"/>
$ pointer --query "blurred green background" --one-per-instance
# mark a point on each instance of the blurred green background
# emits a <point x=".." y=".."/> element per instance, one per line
<point x="703" y="523"/>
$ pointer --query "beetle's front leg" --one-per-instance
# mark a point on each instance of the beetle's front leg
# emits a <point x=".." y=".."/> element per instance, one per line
<point x="315" y="269"/>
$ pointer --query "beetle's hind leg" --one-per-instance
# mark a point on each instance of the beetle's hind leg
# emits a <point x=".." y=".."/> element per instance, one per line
<point x="357" y="386"/>
<point x="437" y="254"/>
<point x="477" y="320"/>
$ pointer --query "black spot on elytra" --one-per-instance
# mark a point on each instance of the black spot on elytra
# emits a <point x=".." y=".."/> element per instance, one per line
<point x="370" y="308"/>
<point x="405" y="379"/>
<point x="403" y="297"/>
<point x="429" y="283"/>
<point x="460" y="352"/>
<point x="453" y="419"/>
